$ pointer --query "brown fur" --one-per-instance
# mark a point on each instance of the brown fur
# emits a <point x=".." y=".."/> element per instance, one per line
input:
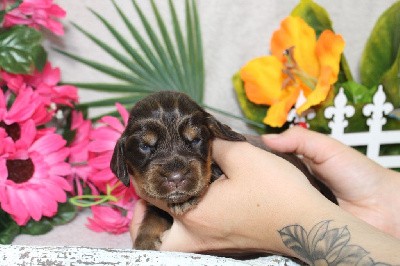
<point x="165" y="151"/>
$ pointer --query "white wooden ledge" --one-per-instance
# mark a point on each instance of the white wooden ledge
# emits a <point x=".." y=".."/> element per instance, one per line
<point x="35" y="255"/>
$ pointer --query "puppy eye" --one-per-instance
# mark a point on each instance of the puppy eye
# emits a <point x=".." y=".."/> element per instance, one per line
<point x="195" y="141"/>
<point x="145" y="148"/>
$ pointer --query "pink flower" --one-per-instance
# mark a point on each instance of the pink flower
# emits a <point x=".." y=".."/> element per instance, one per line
<point x="115" y="217"/>
<point x="109" y="219"/>
<point x="32" y="183"/>
<point x="102" y="145"/>
<point x="80" y="154"/>
<point x="26" y="106"/>
<point x="36" y="13"/>
<point x="45" y="84"/>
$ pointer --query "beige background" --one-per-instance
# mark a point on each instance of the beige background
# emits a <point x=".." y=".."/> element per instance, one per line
<point x="234" y="31"/>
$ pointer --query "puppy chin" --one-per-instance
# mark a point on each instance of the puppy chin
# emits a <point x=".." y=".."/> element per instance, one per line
<point x="178" y="197"/>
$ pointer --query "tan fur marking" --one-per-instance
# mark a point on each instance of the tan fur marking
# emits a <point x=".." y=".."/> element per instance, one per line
<point x="150" y="138"/>
<point x="190" y="133"/>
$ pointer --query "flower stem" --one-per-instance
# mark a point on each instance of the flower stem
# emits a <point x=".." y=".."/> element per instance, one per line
<point x="85" y="201"/>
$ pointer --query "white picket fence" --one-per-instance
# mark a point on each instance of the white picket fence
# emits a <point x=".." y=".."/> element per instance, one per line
<point x="372" y="139"/>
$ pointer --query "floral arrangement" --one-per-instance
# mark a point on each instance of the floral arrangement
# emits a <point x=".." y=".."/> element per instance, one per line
<point x="54" y="161"/>
<point x="49" y="151"/>
<point x="307" y="67"/>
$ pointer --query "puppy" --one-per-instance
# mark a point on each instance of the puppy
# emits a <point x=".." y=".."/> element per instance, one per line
<point x="165" y="151"/>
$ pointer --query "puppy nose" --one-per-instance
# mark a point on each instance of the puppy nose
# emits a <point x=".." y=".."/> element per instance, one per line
<point x="176" y="178"/>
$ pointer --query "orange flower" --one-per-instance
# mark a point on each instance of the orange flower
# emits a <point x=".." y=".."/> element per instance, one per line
<point x="299" y="62"/>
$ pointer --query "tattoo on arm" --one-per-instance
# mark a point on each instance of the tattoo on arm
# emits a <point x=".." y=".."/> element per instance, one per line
<point x="324" y="246"/>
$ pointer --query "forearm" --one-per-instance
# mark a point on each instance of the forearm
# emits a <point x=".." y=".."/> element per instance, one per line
<point x="330" y="235"/>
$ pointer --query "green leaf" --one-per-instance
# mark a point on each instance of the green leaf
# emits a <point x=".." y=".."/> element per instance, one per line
<point x="319" y="122"/>
<point x="159" y="72"/>
<point x="37" y="227"/>
<point x="161" y="60"/>
<point x="130" y="99"/>
<point x="9" y="229"/>
<point x="39" y="56"/>
<point x="380" y="61"/>
<point x="195" y="48"/>
<point x="253" y="112"/>
<point x="111" y="71"/>
<point x="391" y="82"/>
<point x="169" y="46"/>
<point x="357" y="93"/>
<point x="315" y="15"/>
<point x="358" y="96"/>
<point x="248" y="121"/>
<point x="111" y="87"/>
<point x="21" y="50"/>
<point x="66" y="213"/>
<point x="318" y="18"/>
<point x="132" y="52"/>
<point x="158" y="47"/>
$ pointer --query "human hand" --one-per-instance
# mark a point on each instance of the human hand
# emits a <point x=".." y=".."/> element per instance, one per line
<point x="243" y="211"/>
<point x="362" y="187"/>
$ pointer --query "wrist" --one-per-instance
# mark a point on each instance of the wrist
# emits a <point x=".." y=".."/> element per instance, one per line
<point x="390" y="203"/>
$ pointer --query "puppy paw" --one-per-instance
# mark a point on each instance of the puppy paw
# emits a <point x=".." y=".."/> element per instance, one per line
<point x="181" y="208"/>
<point x="147" y="242"/>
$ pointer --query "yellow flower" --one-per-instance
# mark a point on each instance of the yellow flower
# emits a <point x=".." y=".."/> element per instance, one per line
<point x="299" y="62"/>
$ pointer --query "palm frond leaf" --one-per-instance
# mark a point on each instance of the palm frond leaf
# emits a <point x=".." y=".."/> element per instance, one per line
<point x="124" y="100"/>
<point x="161" y="58"/>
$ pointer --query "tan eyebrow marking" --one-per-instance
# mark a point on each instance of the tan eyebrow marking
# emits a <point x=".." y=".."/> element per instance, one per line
<point x="150" y="138"/>
<point x="190" y="132"/>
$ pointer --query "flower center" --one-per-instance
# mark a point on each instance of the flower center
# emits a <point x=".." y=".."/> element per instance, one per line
<point x="20" y="171"/>
<point x="13" y="130"/>
<point x="292" y="70"/>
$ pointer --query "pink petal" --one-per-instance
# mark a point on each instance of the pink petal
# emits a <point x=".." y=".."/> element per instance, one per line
<point x="101" y="161"/>
<point x="48" y="143"/>
<point x="113" y="122"/>
<point x="123" y="112"/>
<point x="28" y="134"/>
<point x="101" y="145"/>
<point x="57" y="157"/>
<point x="16" y="207"/>
<point x="50" y="76"/>
<point x="60" y="170"/>
<point x="22" y="108"/>
<point x="105" y="133"/>
<point x="3" y="173"/>
<point x="32" y="202"/>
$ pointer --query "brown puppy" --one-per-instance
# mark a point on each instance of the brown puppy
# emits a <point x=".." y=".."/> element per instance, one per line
<point x="166" y="150"/>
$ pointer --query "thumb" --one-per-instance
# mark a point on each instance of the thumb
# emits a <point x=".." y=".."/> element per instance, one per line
<point x="177" y="238"/>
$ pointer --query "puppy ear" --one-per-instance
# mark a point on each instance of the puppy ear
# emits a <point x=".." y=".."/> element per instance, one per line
<point x="222" y="131"/>
<point x="118" y="164"/>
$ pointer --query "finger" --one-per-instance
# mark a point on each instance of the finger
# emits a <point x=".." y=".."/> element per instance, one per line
<point x="231" y="156"/>
<point x="240" y="159"/>
<point x="138" y="215"/>
<point x="306" y="143"/>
